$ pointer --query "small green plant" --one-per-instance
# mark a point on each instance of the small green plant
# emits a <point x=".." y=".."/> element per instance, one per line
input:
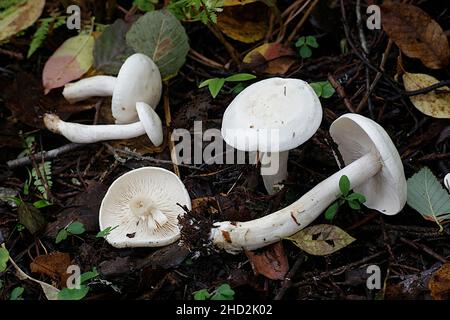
<point x="73" y="228"/>
<point x="223" y="292"/>
<point x="204" y="11"/>
<point x="145" y="5"/>
<point x="4" y="257"/>
<point x="304" y="45"/>
<point x="16" y="293"/>
<point x="323" y="89"/>
<point x="216" y="84"/>
<point x="353" y="199"/>
<point x="41" y="33"/>
<point x="45" y="170"/>
<point x="105" y="232"/>
<point x="82" y="291"/>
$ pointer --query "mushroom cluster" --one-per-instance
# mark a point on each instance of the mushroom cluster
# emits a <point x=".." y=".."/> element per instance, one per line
<point x="135" y="93"/>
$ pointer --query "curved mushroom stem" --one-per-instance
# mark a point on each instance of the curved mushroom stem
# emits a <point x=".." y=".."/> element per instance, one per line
<point x="159" y="216"/>
<point x="251" y="235"/>
<point x="274" y="170"/>
<point x="81" y="133"/>
<point x="98" y="86"/>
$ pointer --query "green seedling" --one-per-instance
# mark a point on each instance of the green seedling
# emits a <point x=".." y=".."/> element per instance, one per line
<point x="304" y="45"/>
<point x="73" y="228"/>
<point x="223" y="292"/>
<point x="216" y="84"/>
<point x="353" y="199"/>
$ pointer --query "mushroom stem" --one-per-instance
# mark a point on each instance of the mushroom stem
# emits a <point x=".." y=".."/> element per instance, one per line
<point x="251" y="235"/>
<point x="274" y="170"/>
<point x="81" y="133"/>
<point x="98" y="86"/>
<point x="159" y="216"/>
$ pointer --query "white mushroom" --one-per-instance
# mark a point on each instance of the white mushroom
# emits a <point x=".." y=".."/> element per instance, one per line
<point x="80" y="133"/>
<point x="447" y="181"/>
<point x="144" y="204"/>
<point x="374" y="169"/>
<point x="272" y="116"/>
<point x="138" y="80"/>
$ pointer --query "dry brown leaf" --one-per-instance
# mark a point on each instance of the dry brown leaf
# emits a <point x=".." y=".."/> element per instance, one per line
<point x="19" y="17"/>
<point x="270" y="261"/>
<point x="433" y="103"/>
<point x="439" y="283"/>
<point x="244" y="23"/>
<point x="270" y="58"/>
<point x="416" y="34"/>
<point x="54" y="265"/>
<point x="208" y="202"/>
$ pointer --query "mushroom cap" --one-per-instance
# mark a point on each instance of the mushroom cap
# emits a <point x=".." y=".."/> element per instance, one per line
<point x="148" y="187"/>
<point x="138" y="80"/>
<point x="356" y="136"/>
<point x="151" y="122"/>
<point x="274" y="114"/>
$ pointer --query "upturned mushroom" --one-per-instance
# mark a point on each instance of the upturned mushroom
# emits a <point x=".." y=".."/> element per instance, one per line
<point x="142" y="208"/>
<point x="373" y="167"/>
<point x="138" y="80"/>
<point x="447" y="181"/>
<point x="272" y="117"/>
<point x="149" y="123"/>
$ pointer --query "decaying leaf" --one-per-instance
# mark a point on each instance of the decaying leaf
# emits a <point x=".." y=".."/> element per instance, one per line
<point x="54" y="265"/>
<point x="270" y="261"/>
<point x="427" y="196"/>
<point x="111" y="49"/>
<point x="69" y="62"/>
<point x="439" y="283"/>
<point x="31" y="217"/>
<point x="19" y="17"/>
<point x="416" y="34"/>
<point x="433" y="103"/>
<point x="270" y="58"/>
<point x="244" y="23"/>
<point x="160" y="36"/>
<point x="228" y="3"/>
<point x="321" y="239"/>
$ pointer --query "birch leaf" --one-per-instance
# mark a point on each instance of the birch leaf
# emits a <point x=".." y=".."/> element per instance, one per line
<point x="69" y="62"/>
<point x="19" y="17"/>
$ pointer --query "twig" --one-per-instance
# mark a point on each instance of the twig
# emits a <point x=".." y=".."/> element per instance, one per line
<point x="46" y="155"/>
<point x="169" y="128"/>
<point x="287" y="283"/>
<point x="11" y="54"/>
<point x="341" y="92"/>
<point x="362" y="36"/>
<point x="437" y="85"/>
<point x="423" y="248"/>
<point x="231" y="50"/>
<point x="302" y="21"/>
<point x="194" y="55"/>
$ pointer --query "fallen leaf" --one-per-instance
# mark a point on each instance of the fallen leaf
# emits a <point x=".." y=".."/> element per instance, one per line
<point x="31" y="217"/>
<point x="69" y="62"/>
<point x="321" y="239"/>
<point x="439" y="284"/>
<point x="271" y="58"/>
<point x="416" y="34"/>
<point x="160" y="35"/>
<point x="228" y="3"/>
<point x="54" y="265"/>
<point x="246" y="24"/>
<point x="433" y="103"/>
<point x="270" y="261"/>
<point x="19" y="17"/>
<point x="111" y="49"/>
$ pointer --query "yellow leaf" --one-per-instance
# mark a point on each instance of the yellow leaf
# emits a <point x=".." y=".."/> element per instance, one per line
<point x="69" y="62"/>
<point x="439" y="283"/>
<point x="433" y="104"/>
<point x="19" y="17"/>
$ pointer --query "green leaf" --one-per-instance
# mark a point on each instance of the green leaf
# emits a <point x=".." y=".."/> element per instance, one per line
<point x="41" y="204"/>
<point x="16" y="294"/>
<point x="321" y="239"/>
<point x="317" y="87"/>
<point x="207" y="82"/>
<point x="357" y="196"/>
<point x="62" y="235"/>
<point x="202" y="294"/>
<point x="427" y="196"/>
<point x="240" y="77"/>
<point x="31" y="218"/>
<point x="331" y="211"/>
<point x="75" y="228"/>
<point x="161" y="36"/>
<point x="215" y="86"/>
<point x="145" y="5"/>
<point x="111" y="49"/>
<point x="354" y="204"/>
<point x="89" y="275"/>
<point x="105" y="232"/>
<point x="300" y="42"/>
<point x="344" y="185"/>
<point x="312" y="42"/>
<point x="305" y="51"/>
<point x="225" y="290"/>
<point x="238" y="88"/>
<point x="73" y="294"/>
<point x="4" y="257"/>
<point x="327" y="90"/>
<point x="218" y="296"/>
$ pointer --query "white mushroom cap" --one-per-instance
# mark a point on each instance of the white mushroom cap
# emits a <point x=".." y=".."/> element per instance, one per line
<point x="272" y="115"/>
<point x="356" y="136"/>
<point x="143" y="203"/>
<point x="138" y="80"/>
<point x="151" y="122"/>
